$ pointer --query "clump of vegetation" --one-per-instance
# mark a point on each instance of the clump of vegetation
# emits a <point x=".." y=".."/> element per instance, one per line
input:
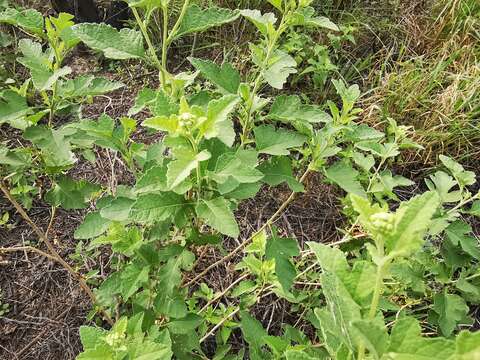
<point x="401" y="281"/>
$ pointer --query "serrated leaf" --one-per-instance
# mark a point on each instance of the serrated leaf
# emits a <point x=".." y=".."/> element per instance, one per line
<point x="86" y="85"/>
<point x="118" y="209"/>
<point x="197" y="19"/>
<point x="345" y="176"/>
<point x="152" y="208"/>
<point x="276" y="141"/>
<point x="451" y="310"/>
<point x="218" y="123"/>
<point x="157" y="102"/>
<point x="39" y="64"/>
<point x="29" y="19"/>
<point x="373" y="335"/>
<point x="55" y="148"/>
<point x="180" y="169"/>
<point x="93" y="225"/>
<point x="279" y="68"/>
<point x="457" y="232"/>
<point x="114" y="44"/>
<point x="225" y="77"/>
<point x="71" y="194"/>
<point x="14" y="109"/>
<point x="443" y="183"/>
<point x="282" y="249"/>
<point x="278" y="170"/>
<point x="306" y="17"/>
<point x="264" y="23"/>
<point x="464" y="177"/>
<point x="239" y="166"/>
<point x="218" y="215"/>
<point x="253" y="332"/>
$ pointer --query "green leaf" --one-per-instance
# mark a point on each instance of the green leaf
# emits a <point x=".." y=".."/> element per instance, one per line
<point x="239" y="167"/>
<point x="331" y="259"/>
<point x="279" y="68"/>
<point x="40" y="65"/>
<point x="253" y="331"/>
<point x="118" y="209"/>
<point x="264" y="23"/>
<point x="463" y="177"/>
<point x="345" y="176"/>
<point x="289" y="110"/>
<point x="152" y="208"/>
<point x="71" y="194"/>
<point x="157" y="102"/>
<point x="197" y="19"/>
<point x="443" y="183"/>
<point x="407" y="343"/>
<point x="276" y="141"/>
<point x="457" y="234"/>
<point x="373" y="335"/>
<point x="306" y="17"/>
<point x="218" y="215"/>
<point x="93" y="225"/>
<point x="467" y="345"/>
<point x="412" y="221"/>
<point x="180" y="169"/>
<point x="86" y="85"/>
<point x="14" y="109"/>
<point x="226" y="77"/>
<point x="451" y="310"/>
<point x="218" y="123"/>
<point x="278" y="170"/>
<point x="55" y="148"/>
<point x="114" y="44"/>
<point x="30" y="19"/>
<point x="282" y="249"/>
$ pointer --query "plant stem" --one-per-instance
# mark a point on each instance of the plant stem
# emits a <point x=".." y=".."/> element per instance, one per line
<point x="258" y="80"/>
<point x="174" y="30"/>
<point x="164" y="36"/>
<point x="151" y="49"/>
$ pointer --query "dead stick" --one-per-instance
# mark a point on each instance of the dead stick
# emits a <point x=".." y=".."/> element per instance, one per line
<point x="83" y="284"/>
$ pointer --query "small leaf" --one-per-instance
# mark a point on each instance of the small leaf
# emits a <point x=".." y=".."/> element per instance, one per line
<point x="218" y="123"/>
<point x="180" y="169"/>
<point x="218" y="215"/>
<point x="264" y="23"/>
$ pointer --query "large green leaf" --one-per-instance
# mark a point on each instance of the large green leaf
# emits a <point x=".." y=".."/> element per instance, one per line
<point x="264" y="23"/>
<point x="277" y="170"/>
<point x="152" y="208"/>
<point x="71" y="194"/>
<point x="197" y="19"/>
<point x="115" y="44"/>
<point x="55" y="148"/>
<point x="239" y="166"/>
<point x="93" y="225"/>
<point x="253" y="332"/>
<point x="407" y="343"/>
<point x="225" y="77"/>
<point x="14" y="109"/>
<point x="218" y="215"/>
<point x="39" y="64"/>
<point x="345" y="176"/>
<point x="86" y="85"/>
<point x="282" y="249"/>
<point x="467" y="346"/>
<point x="373" y="335"/>
<point x="218" y="123"/>
<point x="306" y="17"/>
<point x="451" y="310"/>
<point x="30" y="19"/>
<point x="279" y="68"/>
<point x="276" y="141"/>
<point x="180" y="169"/>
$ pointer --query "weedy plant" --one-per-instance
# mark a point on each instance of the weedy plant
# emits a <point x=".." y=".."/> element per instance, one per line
<point x="395" y="278"/>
